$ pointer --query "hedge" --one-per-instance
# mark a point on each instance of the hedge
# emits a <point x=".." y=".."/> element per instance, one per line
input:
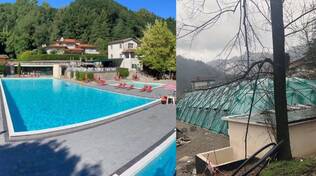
<point x="2" y="68"/>
<point x="30" y="57"/>
<point x="71" y="74"/>
<point x="81" y="76"/>
<point x="123" y="72"/>
<point x="90" y="76"/>
<point x="77" y="75"/>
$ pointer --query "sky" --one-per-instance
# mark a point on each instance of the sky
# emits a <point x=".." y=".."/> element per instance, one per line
<point x="162" y="8"/>
<point x="210" y="42"/>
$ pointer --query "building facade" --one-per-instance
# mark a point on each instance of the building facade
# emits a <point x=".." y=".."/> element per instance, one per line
<point x="3" y="59"/>
<point x="70" y="46"/>
<point x="125" y="49"/>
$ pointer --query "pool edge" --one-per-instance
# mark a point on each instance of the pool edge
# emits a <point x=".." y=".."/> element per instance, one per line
<point x="51" y="132"/>
<point x="142" y="160"/>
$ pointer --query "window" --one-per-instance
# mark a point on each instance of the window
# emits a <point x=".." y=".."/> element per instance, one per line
<point x="120" y="45"/>
<point x="130" y="45"/>
<point x="134" y="66"/>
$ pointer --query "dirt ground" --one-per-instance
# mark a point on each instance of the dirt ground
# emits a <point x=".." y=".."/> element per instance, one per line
<point x="202" y="140"/>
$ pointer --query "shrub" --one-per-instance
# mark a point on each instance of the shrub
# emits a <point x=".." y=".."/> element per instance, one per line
<point x="90" y="76"/>
<point x="26" y="55"/>
<point x="81" y="76"/>
<point x="123" y="72"/>
<point x="71" y="74"/>
<point x="19" y="70"/>
<point x="77" y="75"/>
<point x="2" y="69"/>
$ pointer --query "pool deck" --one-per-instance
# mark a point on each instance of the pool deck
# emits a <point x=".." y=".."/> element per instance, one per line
<point x="100" y="150"/>
<point x="156" y="93"/>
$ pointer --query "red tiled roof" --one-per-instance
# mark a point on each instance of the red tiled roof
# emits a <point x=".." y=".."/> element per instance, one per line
<point x="68" y="41"/>
<point x="3" y="56"/>
<point x="71" y="40"/>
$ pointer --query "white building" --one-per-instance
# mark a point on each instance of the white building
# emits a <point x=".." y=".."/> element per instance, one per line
<point x="125" y="49"/>
<point x="71" y="46"/>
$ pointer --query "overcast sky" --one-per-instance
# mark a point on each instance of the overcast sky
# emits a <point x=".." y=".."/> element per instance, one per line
<point x="207" y="45"/>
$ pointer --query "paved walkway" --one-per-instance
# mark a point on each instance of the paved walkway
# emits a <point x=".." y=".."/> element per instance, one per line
<point x="156" y="93"/>
<point x="96" y="151"/>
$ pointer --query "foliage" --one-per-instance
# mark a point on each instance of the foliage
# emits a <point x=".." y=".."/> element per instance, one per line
<point x="24" y="25"/>
<point x="19" y="69"/>
<point x="30" y="57"/>
<point x="90" y="76"/>
<point x="80" y="76"/>
<point x="311" y="52"/>
<point x="26" y="55"/>
<point x="158" y="49"/>
<point x="77" y="75"/>
<point x="291" y="168"/>
<point x="123" y="72"/>
<point x="2" y="69"/>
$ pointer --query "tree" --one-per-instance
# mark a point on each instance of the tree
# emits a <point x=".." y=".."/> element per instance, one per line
<point x="19" y="70"/>
<point x="157" y="50"/>
<point x="25" y="25"/>
<point x="247" y="39"/>
<point x="279" y="69"/>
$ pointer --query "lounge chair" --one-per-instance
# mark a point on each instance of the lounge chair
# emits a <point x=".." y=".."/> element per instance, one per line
<point x="144" y="88"/>
<point x="124" y="85"/>
<point x="163" y="99"/>
<point x="119" y="85"/>
<point x="101" y="82"/>
<point x="149" y="89"/>
<point x="130" y="87"/>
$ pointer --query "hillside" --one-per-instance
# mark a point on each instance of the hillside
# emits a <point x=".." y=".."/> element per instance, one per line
<point x="25" y="25"/>
<point x="188" y="70"/>
<point x="235" y="64"/>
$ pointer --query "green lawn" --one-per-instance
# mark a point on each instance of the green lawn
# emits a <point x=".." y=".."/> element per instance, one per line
<point x="298" y="167"/>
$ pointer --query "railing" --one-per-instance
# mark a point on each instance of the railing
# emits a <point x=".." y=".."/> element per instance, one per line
<point x="92" y="69"/>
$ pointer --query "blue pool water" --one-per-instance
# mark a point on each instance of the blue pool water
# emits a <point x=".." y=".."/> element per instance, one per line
<point x="163" y="165"/>
<point x="37" y="104"/>
<point x="140" y="85"/>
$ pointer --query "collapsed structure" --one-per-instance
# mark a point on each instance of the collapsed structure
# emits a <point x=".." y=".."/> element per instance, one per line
<point x="206" y="108"/>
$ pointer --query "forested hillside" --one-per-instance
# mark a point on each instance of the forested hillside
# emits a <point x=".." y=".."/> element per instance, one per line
<point x="25" y="25"/>
<point x="188" y="70"/>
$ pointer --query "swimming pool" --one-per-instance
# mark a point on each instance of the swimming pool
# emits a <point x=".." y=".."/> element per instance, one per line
<point x="139" y="85"/>
<point x="160" y="161"/>
<point x="41" y="105"/>
<point x="163" y="165"/>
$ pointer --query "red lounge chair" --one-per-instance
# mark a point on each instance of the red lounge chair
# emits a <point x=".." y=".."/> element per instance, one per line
<point x="144" y="88"/>
<point x="124" y="85"/>
<point x="101" y="82"/>
<point x="130" y="87"/>
<point x="149" y="89"/>
<point x="163" y="99"/>
<point x="119" y="85"/>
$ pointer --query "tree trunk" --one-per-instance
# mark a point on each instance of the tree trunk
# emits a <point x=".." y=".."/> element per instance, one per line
<point x="280" y="80"/>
